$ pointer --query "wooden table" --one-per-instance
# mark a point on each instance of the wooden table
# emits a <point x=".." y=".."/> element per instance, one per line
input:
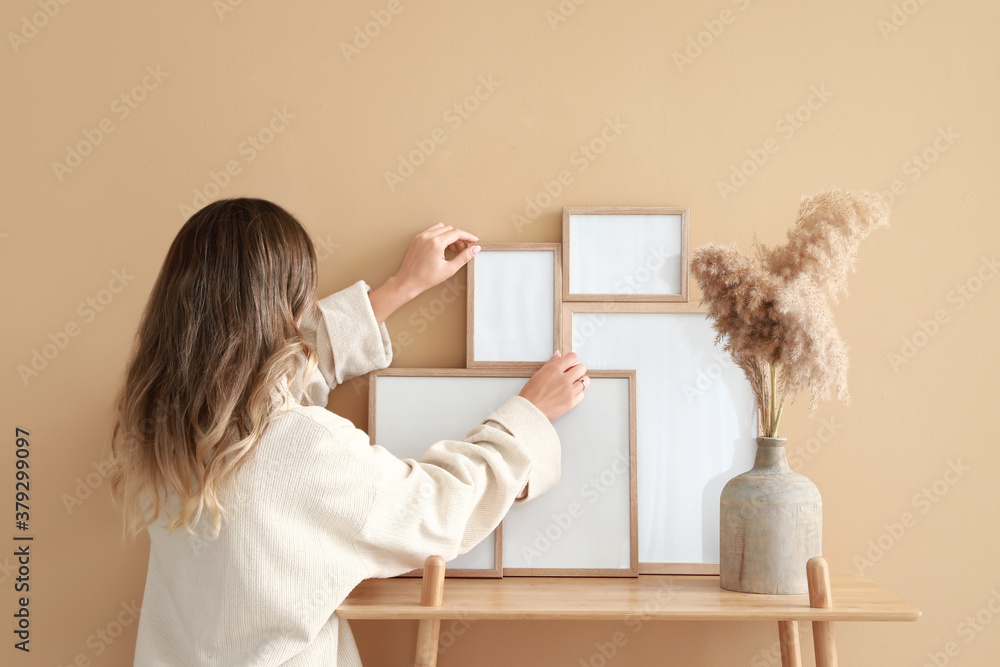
<point x="840" y="597"/>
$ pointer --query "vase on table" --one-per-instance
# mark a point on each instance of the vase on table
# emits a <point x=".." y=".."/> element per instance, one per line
<point x="771" y="525"/>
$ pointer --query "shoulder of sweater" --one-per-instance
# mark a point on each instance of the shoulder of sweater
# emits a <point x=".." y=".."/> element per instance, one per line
<point x="321" y="421"/>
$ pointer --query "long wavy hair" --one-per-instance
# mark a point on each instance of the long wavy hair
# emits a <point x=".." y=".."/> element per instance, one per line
<point x="217" y="347"/>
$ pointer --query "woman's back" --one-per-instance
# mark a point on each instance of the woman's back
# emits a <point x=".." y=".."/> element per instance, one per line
<point x="265" y="589"/>
<point x="306" y="507"/>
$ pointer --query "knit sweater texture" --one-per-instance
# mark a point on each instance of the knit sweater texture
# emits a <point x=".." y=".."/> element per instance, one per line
<point x="318" y="508"/>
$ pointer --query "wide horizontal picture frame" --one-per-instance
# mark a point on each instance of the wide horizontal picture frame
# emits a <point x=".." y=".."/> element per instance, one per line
<point x="697" y="421"/>
<point x="625" y="253"/>
<point x="511" y="317"/>
<point x="623" y="523"/>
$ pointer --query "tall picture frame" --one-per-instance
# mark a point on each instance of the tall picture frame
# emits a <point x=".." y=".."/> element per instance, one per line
<point x="697" y="421"/>
<point x="513" y="304"/>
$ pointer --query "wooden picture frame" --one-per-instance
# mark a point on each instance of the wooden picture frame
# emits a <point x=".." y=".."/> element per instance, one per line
<point x="536" y="530"/>
<point x="508" y="335"/>
<point x="690" y="391"/>
<point x="495" y="394"/>
<point x="642" y="261"/>
<point x="421" y="441"/>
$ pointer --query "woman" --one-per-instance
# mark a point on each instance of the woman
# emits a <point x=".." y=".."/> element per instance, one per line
<point x="221" y="431"/>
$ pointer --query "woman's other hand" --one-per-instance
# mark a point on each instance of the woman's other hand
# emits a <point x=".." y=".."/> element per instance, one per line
<point x="557" y="387"/>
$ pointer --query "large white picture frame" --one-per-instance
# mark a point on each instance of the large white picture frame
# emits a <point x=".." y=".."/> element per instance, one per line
<point x="411" y="408"/>
<point x="697" y="421"/>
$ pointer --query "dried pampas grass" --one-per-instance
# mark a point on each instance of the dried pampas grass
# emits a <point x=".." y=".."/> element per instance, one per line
<point x="772" y="312"/>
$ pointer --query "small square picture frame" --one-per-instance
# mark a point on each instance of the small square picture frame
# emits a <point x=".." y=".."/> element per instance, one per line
<point x="625" y="253"/>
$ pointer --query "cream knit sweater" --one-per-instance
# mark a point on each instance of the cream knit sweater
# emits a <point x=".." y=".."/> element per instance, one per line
<point x="322" y="509"/>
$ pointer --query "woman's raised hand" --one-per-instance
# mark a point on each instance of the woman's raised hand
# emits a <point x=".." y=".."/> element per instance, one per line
<point x="425" y="266"/>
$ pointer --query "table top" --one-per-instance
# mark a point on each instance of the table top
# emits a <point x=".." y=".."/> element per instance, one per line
<point x="647" y="597"/>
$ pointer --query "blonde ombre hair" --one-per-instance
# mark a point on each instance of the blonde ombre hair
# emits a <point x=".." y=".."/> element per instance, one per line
<point x="217" y="347"/>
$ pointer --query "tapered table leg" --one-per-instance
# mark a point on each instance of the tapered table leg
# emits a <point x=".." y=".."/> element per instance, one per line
<point x="791" y="652"/>
<point x="820" y="597"/>
<point x="431" y="595"/>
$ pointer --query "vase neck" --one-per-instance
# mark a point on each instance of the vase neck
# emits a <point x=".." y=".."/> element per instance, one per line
<point x="770" y="453"/>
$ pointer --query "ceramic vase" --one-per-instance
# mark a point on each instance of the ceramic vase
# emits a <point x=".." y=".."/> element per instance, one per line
<point x="771" y="525"/>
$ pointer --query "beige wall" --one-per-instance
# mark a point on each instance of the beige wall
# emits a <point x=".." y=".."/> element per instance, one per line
<point x="886" y="98"/>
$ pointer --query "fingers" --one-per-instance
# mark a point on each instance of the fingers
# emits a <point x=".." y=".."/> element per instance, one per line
<point x="463" y="257"/>
<point x="567" y="360"/>
<point x="576" y="372"/>
<point x="553" y="362"/>
<point x="449" y="235"/>
<point x="432" y="227"/>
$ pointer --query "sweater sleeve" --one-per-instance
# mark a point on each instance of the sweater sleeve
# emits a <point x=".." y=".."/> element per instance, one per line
<point x="348" y="341"/>
<point x="458" y="491"/>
